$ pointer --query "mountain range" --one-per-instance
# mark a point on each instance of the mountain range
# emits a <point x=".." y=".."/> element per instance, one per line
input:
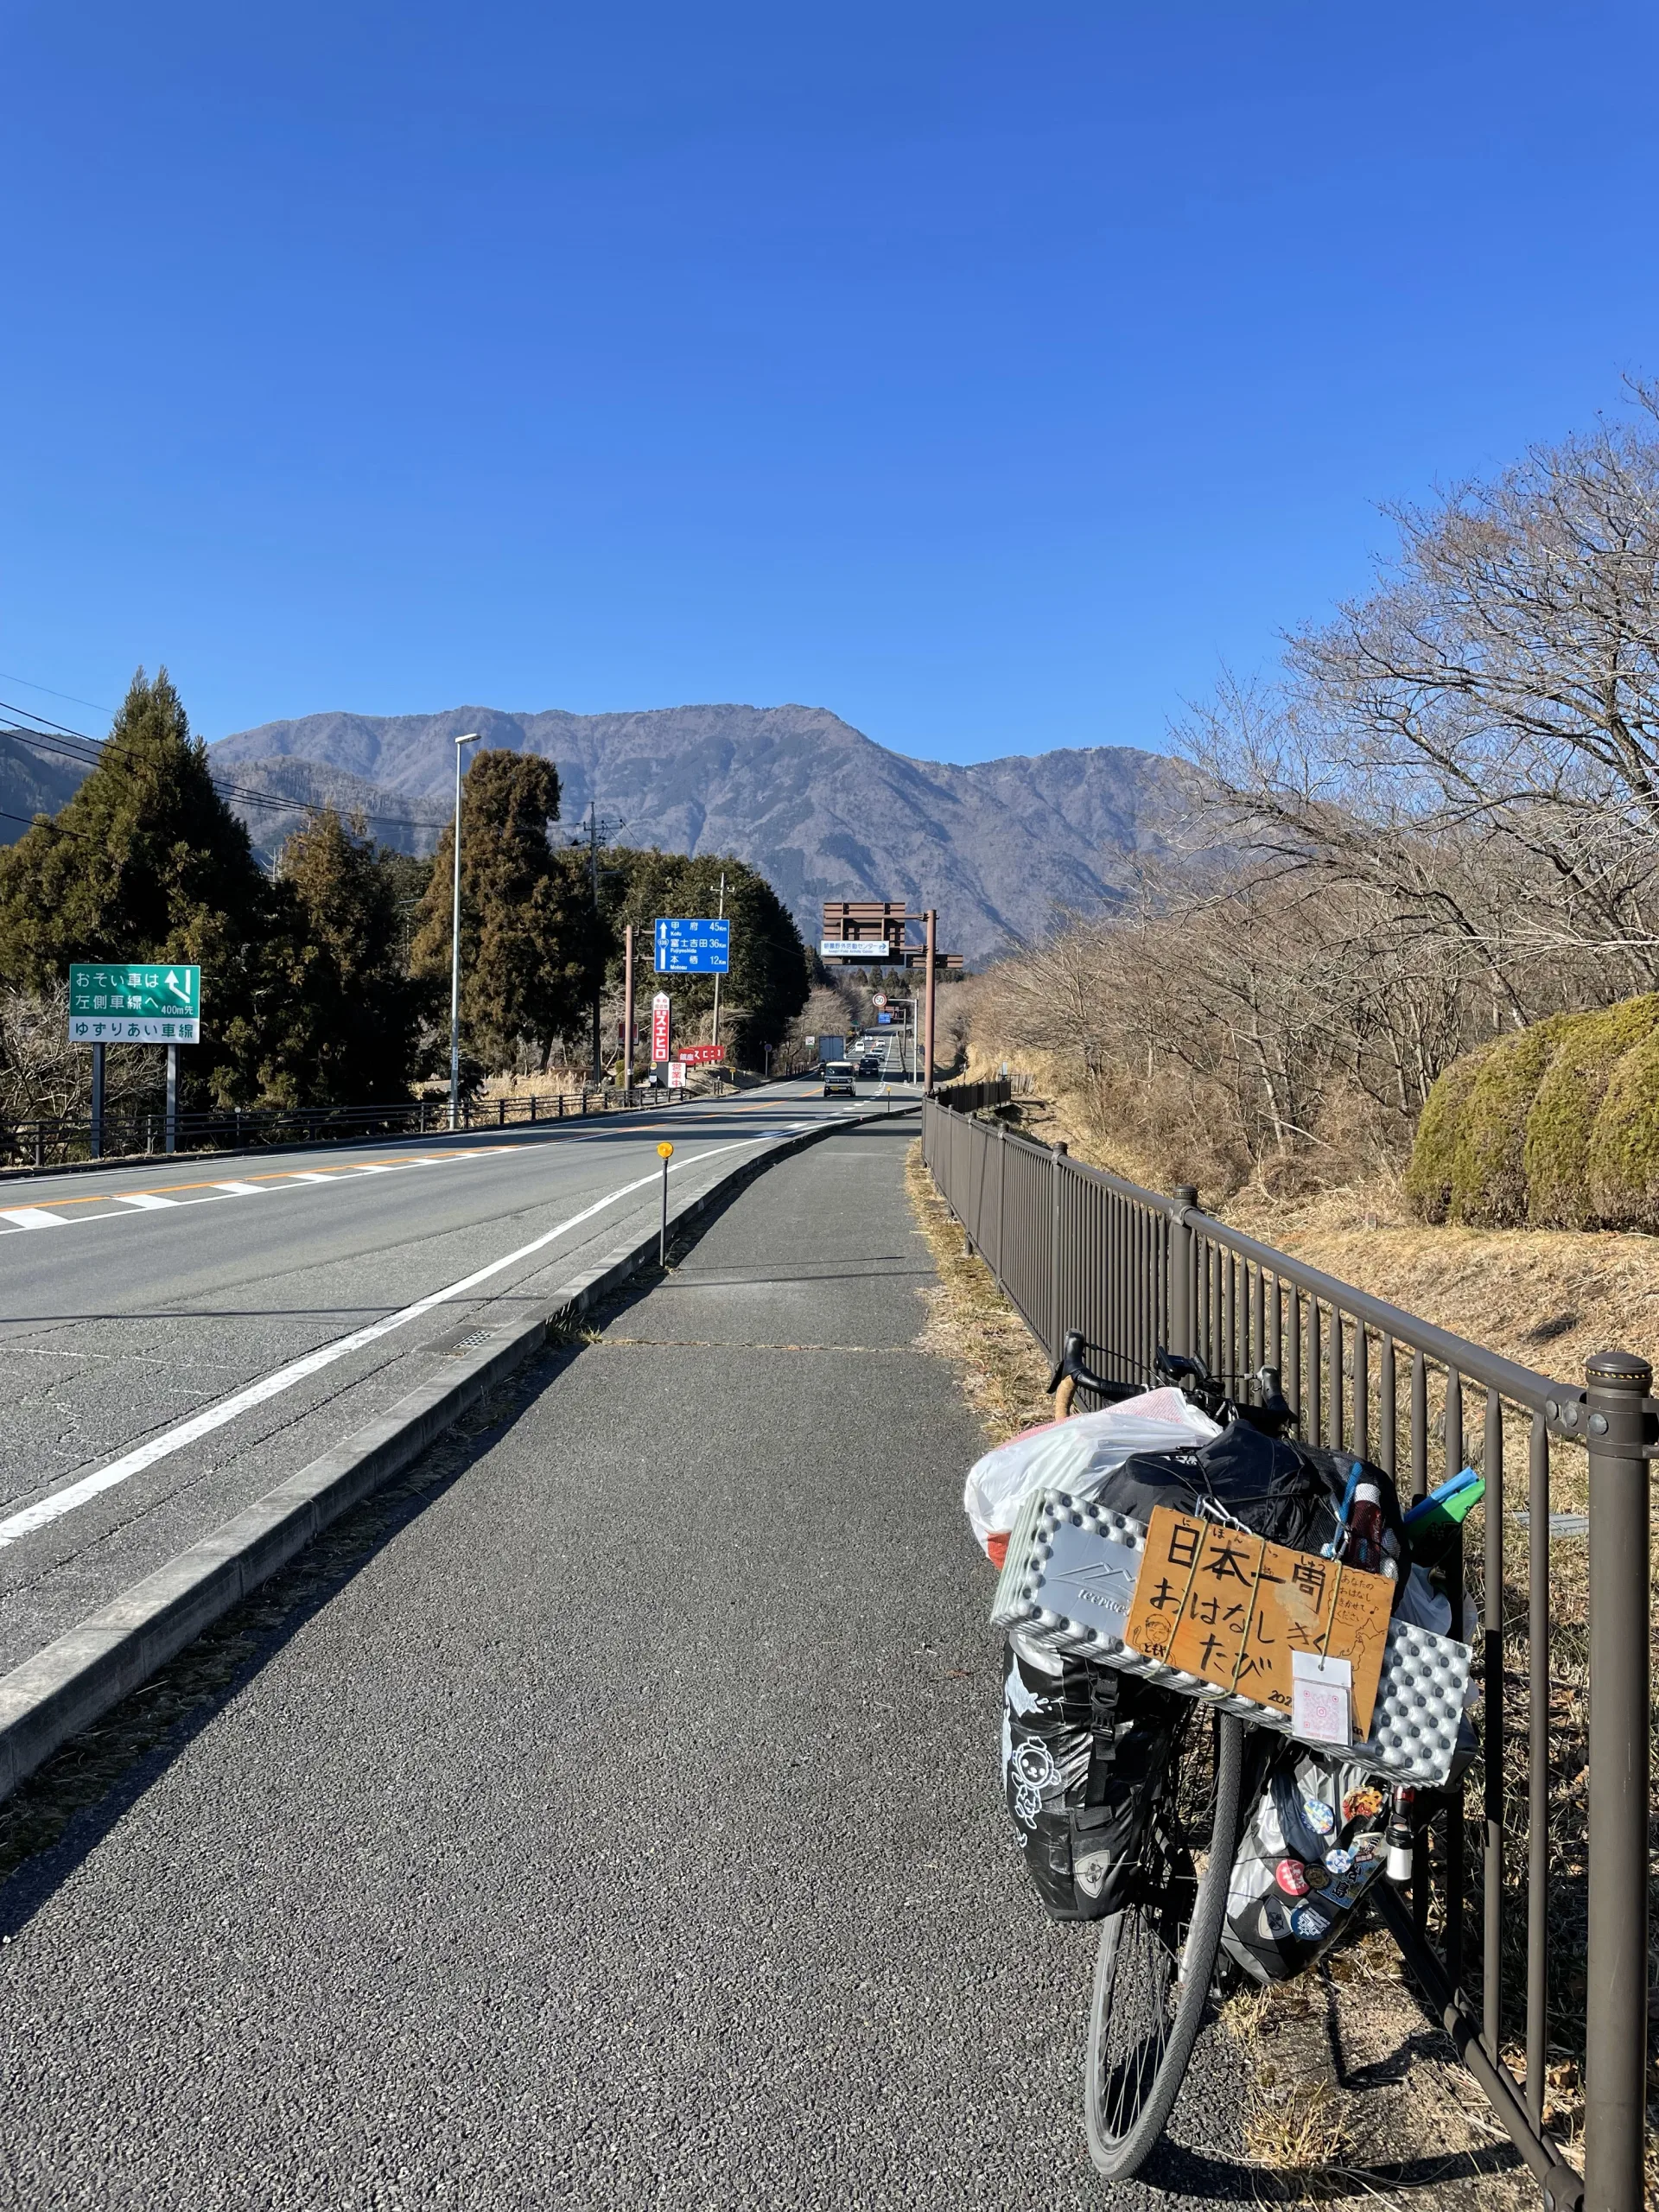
<point x="999" y="847"/>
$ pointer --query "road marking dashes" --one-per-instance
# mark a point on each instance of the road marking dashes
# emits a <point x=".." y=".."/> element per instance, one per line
<point x="51" y="1509"/>
<point x="145" y="1200"/>
<point x="33" y="1218"/>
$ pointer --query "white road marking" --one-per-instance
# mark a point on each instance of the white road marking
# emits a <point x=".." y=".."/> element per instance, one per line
<point x="284" y="1379"/>
<point x="312" y="1175"/>
<point x="33" y="1218"/>
<point x="145" y="1199"/>
<point x="241" y="1189"/>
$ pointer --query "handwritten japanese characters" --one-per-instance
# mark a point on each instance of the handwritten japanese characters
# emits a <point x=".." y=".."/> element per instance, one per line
<point x="1231" y="1608"/>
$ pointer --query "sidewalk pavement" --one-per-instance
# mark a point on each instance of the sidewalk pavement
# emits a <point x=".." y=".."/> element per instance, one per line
<point x="624" y="1832"/>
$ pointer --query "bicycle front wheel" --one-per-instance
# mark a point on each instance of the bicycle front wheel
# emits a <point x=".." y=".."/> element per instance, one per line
<point x="1156" y="1960"/>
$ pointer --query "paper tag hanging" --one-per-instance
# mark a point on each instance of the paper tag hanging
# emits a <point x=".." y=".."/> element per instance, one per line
<point x="1322" y="1696"/>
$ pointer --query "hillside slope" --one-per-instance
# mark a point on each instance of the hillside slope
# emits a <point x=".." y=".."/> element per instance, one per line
<point x="796" y="792"/>
<point x="31" y="783"/>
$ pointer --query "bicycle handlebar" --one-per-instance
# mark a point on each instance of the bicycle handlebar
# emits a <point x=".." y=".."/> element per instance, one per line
<point x="1266" y="1406"/>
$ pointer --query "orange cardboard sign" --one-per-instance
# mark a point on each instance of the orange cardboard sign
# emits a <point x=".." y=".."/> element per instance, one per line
<point x="1295" y="1593"/>
<point x="1359" y="1629"/>
<point x="1210" y="1637"/>
<point x="1221" y="1604"/>
<point x="1160" y="1587"/>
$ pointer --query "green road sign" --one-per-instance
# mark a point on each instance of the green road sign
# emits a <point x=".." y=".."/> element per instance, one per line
<point x="133" y="1003"/>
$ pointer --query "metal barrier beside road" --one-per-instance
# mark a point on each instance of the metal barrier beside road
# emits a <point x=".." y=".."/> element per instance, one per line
<point x="63" y="1140"/>
<point x="1074" y="1248"/>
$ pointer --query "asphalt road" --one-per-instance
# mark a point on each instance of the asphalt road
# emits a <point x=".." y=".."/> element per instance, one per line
<point x="624" y="1831"/>
<point x="135" y="1302"/>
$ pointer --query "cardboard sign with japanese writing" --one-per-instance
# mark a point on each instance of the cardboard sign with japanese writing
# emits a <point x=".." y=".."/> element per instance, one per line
<point x="1160" y="1588"/>
<point x="1225" y="1605"/>
<point x="1359" y="1629"/>
<point x="1293" y="1596"/>
<point x="1211" y="1636"/>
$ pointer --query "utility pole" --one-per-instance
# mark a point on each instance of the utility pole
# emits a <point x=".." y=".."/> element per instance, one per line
<point x="721" y="916"/>
<point x="593" y="862"/>
<point x="932" y="918"/>
<point x="627" y="1011"/>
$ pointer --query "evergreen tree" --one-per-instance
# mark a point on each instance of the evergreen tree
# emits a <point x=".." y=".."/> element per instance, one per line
<point x="147" y="862"/>
<point x="531" y="948"/>
<point x="355" y="1037"/>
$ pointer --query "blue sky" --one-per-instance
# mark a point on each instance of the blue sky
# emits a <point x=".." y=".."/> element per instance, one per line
<point x="991" y="375"/>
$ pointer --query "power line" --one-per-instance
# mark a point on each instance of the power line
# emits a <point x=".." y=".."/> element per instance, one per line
<point x="96" y="705"/>
<point x="51" y="738"/>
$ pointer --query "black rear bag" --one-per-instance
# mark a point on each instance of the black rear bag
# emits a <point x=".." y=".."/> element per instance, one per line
<point x="1288" y="1492"/>
<point x="1082" y="1750"/>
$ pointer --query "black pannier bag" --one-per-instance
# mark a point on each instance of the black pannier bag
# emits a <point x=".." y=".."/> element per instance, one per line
<point x="1082" y="1747"/>
<point x="1290" y="1493"/>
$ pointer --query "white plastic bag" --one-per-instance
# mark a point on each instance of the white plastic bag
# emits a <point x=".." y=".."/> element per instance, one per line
<point x="1075" y="1456"/>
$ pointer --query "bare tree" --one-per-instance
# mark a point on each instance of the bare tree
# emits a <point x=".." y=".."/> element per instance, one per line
<point x="1478" y="741"/>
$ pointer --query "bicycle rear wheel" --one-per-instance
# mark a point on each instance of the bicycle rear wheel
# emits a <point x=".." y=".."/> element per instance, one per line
<point x="1157" y="1957"/>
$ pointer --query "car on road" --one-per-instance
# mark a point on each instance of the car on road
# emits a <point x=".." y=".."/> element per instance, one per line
<point x="838" y="1079"/>
<point x="869" y="1068"/>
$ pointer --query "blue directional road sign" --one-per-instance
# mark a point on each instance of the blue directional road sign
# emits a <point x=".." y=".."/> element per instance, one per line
<point x="686" y="948"/>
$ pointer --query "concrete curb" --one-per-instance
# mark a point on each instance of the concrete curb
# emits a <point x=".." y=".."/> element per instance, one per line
<point x="66" y="1687"/>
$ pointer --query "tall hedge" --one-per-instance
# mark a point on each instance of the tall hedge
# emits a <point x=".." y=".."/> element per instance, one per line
<point x="1428" y="1179"/>
<point x="1488" y="1174"/>
<point x="1623" y="1155"/>
<point x="1566" y="1110"/>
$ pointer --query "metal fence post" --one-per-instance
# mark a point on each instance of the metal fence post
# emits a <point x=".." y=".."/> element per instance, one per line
<point x="1180" y="1274"/>
<point x="1056" y="1319"/>
<point x="1615" y="2047"/>
<point x="1001" y="1192"/>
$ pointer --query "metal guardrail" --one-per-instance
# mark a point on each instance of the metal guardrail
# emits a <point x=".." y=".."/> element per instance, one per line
<point x="60" y="1140"/>
<point x="1074" y="1248"/>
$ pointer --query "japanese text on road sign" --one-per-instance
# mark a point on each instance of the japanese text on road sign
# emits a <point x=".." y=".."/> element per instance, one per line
<point x="135" y="1003"/>
<point x="693" y="948"/>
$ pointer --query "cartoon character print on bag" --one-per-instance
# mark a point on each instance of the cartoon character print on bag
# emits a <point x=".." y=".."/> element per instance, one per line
<point x="1031" y="1771"/>
<point x="1079" y="1819"/>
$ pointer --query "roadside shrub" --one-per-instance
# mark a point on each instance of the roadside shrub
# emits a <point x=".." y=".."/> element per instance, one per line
<point x="1557" y="1148"/>
<point x="1428" y="1179"/>
<point x="1489" y="1174"/>
<point x="1623" y="1158"/>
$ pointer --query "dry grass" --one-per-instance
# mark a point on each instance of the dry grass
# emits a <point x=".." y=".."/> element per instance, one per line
<point x="969" y="1323"/>
<point x="1353" y="2094"/>
<point x="1546" y="1298"/>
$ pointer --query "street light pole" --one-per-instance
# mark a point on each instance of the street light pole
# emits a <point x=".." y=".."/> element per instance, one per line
<point x="470" y="737"/>
<point x="628" y="1013"/>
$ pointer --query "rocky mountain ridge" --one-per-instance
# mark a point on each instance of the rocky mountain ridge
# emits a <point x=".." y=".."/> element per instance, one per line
<point x="998" y="846"/>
